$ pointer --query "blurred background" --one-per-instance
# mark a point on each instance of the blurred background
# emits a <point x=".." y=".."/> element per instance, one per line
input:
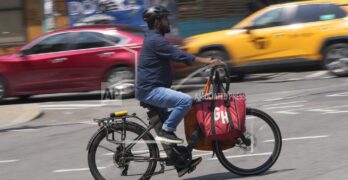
<point x="57" y="57"/>
<point x="24" y="20"/>
<point x="60" y="46"/>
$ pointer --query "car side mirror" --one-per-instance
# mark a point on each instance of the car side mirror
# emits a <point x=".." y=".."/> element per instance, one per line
<point x="24" y="53"/>
<point x="249" y="28"/>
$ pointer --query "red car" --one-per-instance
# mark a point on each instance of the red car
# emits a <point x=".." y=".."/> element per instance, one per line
<point x="72" y="60"/>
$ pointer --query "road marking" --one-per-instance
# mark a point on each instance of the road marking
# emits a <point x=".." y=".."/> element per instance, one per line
<point x="204" y="154"/>
<point x="140" y="151"/>
<point x="275" y="99"/>
<point x="317" y="74"/>
<point x="293" y="102"/>
<point x="286" y="112"/>
<point x="9" y="161"/>
<point x="338" y="94"/>
<point x="329" y="110"/>
<point x="23" y="130"/>
<point x="246" y="155"/>
<point x="88" y="122"/>
<point x="53" y="109"/>
<point x="70" y="105"/>
<point x="335" y="112"/>
<point x="295" y="79"/>
<point x="282" y="107"/>
<point x="74" y="170"/>
<point x="300" y="138"/>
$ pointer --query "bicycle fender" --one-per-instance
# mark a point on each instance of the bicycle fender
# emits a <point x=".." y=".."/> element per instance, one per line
<point x="93" y="137"/>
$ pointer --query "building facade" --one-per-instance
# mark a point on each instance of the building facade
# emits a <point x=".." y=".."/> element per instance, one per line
<point x="24" y="20"/>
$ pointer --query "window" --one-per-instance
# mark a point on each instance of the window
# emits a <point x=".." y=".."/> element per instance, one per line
<point x="132" y="29"/>
<point x="331" y="11"/>
<point x="54" y="43"/>
<point x="318" y="12"/>
<point x="272" y="17"/>
<point x="86" y="40"/>
<point x="11" y="22"/>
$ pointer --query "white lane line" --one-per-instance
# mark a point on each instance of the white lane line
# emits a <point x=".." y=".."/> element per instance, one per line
<point x="293" y="102"/>
<point x="88" y="122"/>
<point x="74" y="170"/>
<point x="53" y="109"/>
<point x="9" y="161"/>
<point x="140" y="151"/>
<point x="275" y="99"/>
<point x="286" y="112"/>
<point x="70" y="105"/>
<point x="295" y="79"/>
<point x="23" y="130"/>
<point x="300" y="138"/>
<point x="285" y="107"/>
<point x="317" y="74"/>
<point x="246" y="155"/>
<point x="338" y="94"/>
<point x="204" y="154"/>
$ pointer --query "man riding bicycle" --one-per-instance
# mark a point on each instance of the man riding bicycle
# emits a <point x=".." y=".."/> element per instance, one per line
<point x="154" y="75"/>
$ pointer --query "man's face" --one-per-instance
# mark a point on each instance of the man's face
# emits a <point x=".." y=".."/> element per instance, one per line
<point x="164" y="26"/>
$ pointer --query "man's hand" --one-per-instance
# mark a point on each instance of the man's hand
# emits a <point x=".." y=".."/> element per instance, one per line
<point x="209" y="61"/>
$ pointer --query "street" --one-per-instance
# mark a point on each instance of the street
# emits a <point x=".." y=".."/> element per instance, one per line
<point x="310" y="108"/>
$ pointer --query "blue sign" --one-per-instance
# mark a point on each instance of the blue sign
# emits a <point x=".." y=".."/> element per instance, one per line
<point x="84" y="12"/>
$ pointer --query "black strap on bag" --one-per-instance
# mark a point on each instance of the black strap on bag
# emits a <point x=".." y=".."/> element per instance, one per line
<point x="218" y="88"/>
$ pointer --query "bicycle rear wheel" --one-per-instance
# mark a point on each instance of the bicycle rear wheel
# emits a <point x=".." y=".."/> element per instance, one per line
<point x="261" y="154"/>
<point x="107" y="158"/>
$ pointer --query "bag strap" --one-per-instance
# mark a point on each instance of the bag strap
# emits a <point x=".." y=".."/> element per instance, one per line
<point x="229" y="116"/>
<point x="227" y="78"/>
<point x="207" y="86"/>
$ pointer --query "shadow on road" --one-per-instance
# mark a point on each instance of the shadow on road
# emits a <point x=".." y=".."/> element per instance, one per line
<point x="25" y="127"/>
<point x="228" y="175"/>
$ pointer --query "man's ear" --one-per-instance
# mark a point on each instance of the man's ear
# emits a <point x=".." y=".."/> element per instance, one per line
<point x="157" y="24"/>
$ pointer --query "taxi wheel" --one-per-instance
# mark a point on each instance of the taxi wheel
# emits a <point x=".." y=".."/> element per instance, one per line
<point x="219" y="54"/>
<point x="336" y="59"/>
<point x="122" y="79"/>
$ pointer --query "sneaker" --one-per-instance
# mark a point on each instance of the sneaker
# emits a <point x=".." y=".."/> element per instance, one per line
<point x="168" y="137"/>
<point x="190" y="168"/>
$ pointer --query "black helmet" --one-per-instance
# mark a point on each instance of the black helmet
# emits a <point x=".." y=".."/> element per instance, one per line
<point x="156" y="12"/>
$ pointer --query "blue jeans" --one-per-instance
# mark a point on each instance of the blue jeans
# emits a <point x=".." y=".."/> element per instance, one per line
<point x="167" y="98"/>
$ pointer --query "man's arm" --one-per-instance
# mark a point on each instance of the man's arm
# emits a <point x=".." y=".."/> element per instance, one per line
<point x="167" y="51"/>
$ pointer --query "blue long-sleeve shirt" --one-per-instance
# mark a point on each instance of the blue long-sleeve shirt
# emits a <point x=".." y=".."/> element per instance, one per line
<point x="154" y="68"/>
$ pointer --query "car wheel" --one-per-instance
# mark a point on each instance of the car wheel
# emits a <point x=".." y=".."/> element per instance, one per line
<point x="2" y="89"/>
<point x="219" y="54"/>
<point x="336" y="59"/>
<point x="24" y="97"/>
<point x="122" y="81"/>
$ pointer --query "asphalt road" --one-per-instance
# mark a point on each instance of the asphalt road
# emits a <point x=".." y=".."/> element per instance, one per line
<point x="310" y="108"/>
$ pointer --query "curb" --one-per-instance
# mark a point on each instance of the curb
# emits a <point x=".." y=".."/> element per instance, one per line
<point x="11" y="115"/>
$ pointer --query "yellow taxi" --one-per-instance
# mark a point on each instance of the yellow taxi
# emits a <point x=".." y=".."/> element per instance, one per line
<point x="290" y="34"/>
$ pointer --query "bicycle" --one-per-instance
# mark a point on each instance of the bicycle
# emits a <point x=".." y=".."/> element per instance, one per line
<point x="123" y="139"/>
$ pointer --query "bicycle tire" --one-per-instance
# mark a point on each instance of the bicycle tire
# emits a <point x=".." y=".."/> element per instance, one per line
<point x="270" y="161"/>
<point x="134" y="128"/>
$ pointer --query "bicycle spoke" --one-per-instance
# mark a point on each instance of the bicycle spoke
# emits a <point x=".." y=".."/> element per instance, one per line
<point x="108" y="149"/>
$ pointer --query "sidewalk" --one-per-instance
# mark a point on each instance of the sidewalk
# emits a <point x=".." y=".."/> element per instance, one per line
<point x="11" y="115"/>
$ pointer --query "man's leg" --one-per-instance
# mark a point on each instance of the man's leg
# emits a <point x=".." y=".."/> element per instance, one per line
<point x="168" y="98"/>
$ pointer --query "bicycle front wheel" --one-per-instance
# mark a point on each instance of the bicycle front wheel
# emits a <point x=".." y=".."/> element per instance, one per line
<point x="109" y="159"/>
<point x="263" y="151"/>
